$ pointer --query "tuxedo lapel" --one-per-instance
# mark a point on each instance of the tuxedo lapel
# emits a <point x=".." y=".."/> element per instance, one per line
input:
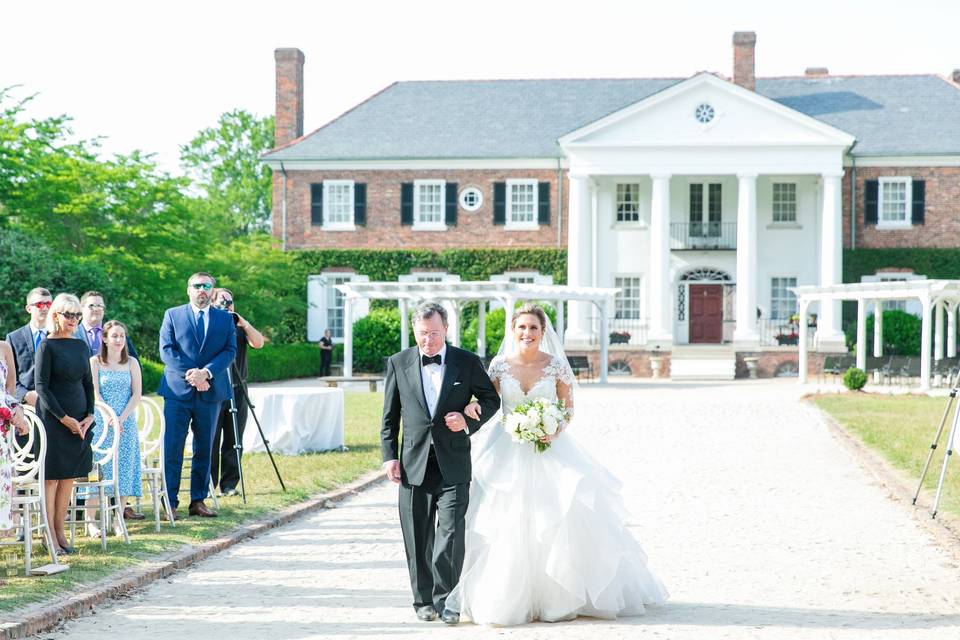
<point x="412" y="371"/>
<point x="449" y="375"/>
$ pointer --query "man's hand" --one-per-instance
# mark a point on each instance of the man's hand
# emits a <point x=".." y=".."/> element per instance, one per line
<point x="455" y="421"/>
<point x="31" y="398"/>
<point x="392" y="467"/>
<point x="203" y="385"/>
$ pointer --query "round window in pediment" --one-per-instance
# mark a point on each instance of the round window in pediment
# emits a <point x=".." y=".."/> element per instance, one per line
<point x="704" y="113"/>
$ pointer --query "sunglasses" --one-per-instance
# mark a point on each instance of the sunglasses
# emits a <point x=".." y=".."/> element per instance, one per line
<point x="70" y="315"/>
<point x="43" y="304"/>
<point x="206" y="286"/>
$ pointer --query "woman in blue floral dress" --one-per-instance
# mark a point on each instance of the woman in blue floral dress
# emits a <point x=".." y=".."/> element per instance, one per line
<point x="117" y="381"/>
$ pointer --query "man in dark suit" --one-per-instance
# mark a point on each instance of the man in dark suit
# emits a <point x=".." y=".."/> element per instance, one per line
<point x="427" y="387"/>
<point x="197" y="344"/>
<point x="25" y="341"/>
<point x="90" y="330"/>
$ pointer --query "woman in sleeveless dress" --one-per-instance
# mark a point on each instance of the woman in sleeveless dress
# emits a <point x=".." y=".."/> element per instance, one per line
<point x="546" y="532"/>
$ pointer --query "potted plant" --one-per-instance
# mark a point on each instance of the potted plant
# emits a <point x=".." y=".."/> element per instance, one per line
<point x="619" y="337"/>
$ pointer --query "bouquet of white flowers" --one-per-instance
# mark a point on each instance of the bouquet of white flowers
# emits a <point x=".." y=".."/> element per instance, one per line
<point x="535" y="419"/>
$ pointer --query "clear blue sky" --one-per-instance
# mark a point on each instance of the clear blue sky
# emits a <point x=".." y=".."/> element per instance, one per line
<point x="148" y="75"/>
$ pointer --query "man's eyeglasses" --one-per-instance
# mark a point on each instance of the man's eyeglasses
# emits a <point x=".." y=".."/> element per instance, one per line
<point x="206" y="286"/>
<point x="71" y="315"/>
<point x="95" y="305"/>
<point x="42" y="304"/>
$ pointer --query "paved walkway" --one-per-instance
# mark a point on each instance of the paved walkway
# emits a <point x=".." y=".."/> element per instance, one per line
<point x="759" y="521"/>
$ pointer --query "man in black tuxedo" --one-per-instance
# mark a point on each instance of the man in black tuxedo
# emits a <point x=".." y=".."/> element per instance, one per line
<point x="427" y="387"/>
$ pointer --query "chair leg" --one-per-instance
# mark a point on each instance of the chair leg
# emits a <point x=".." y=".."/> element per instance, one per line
<point x="104" y="518"/>
<point x="155" y="496"/>
<point x="28" y="539"/>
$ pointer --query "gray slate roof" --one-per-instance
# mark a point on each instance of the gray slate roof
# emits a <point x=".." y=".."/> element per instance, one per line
<point x="889" y="115"/>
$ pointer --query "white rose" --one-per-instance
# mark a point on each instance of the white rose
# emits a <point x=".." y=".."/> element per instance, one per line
<point x="550" y="424"/>
<point x="533" y="414"/>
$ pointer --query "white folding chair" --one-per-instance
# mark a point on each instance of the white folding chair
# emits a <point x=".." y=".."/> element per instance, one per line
<point x="104" y="456"/>
<point x="29" y="499"/>
<point x="152" y="430"/>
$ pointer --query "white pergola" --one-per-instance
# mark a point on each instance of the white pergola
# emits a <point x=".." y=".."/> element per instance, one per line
<point x="453" y="294"/>
<point x="937" y="297"/>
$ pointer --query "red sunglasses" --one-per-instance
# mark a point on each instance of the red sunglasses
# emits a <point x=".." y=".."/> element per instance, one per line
<point x="43" y="304"/>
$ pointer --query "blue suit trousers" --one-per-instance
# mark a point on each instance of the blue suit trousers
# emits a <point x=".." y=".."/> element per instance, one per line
<point x="201" y="418"/>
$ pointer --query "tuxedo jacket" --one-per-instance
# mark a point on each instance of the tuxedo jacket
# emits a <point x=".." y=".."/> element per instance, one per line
<point x="463" y="379"/>
<point x="21" y="341"/>
<point x="81" y="333"/>
<point x="180" y="351"/>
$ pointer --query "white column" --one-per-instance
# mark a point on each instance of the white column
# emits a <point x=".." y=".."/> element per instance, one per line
<point x="605" y="307"/>
<point x="660" y="305"/>
<point x="951" y="331"/>
<point x="404" y="324"/>
<point x="925" y="332"/>
<point x="482" y="329"/>
<point x="561" y="324"/>
<point x="877" y="328"/>
<point x="829" y="333"/>
<point x="861" y="334"/>
<point x="508" y="307"/>
<point x="746" y="329"/>
<point x="579" y="260"/>
<point x="348" y="337"/>
<point x="938" y="331"/>
<point x="453" y="321"/>
<point x="802" y="364"/>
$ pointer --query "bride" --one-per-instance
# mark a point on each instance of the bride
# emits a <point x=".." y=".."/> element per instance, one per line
<point x="545" y="532"/>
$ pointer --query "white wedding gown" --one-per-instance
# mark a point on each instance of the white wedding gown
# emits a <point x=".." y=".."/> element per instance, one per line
<point x="546" y="535"/>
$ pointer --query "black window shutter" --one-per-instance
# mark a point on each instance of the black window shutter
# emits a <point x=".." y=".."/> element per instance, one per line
<point x="919" y="201"/>
<point x="406" y="203"/>
<point x="499" y="203"/>
<point x="316" y="204"/>
<point x="871" y="201"/>
<point x="543" y="203"/>
<point x="451" y="204"/>
<point x="360" y="204"/>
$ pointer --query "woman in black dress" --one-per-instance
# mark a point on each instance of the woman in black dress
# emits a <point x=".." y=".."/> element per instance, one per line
<point x="65" y="390"/>
<point x="326" y="352"/>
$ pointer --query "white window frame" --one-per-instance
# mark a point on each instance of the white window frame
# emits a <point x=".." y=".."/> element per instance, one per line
<point x="507" y="276"/>
<point x="510" y="223"/>
<point x="462" y="198"/>
<point x="418" y="224"/>
<point x="329" y="225"/>
<point x="318" y="312"/>
<point x="641" y="220"/>
<point x="641" y="308"/>
<point x="796" y="281"/>
<point x="773" y="203"/>
<point x="907" y="222"/>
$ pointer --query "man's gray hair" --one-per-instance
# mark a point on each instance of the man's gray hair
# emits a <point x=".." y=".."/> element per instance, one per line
<point x="428" y="309"/>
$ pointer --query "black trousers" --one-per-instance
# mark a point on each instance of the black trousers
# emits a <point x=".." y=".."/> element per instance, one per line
<point x="432" y="519"/>
<point x="325" y="358"/>
<point x="223" y="468"/>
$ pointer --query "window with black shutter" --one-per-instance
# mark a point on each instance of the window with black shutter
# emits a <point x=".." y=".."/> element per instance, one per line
<point x="360" y="204"/>
<point x="499" y="203"/>
<point x="450" y="216"/>
<point x="919" y="202"/>
<point x="871" y="201"/>
<point x="406" y="203"/>
<point x="543" y="203"/>
<point x="316" y="204"/>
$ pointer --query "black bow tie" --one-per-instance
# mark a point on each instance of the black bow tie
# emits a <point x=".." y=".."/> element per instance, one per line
<point x="425" y="360"/>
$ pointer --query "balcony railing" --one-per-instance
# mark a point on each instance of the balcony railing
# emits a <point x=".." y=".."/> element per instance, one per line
<point x="621" y="331"/>
<point x="782" y="333"/>
<point x="703" y="235"/>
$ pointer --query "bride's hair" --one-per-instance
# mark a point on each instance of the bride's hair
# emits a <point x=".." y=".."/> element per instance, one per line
<point x="529" y="308"/>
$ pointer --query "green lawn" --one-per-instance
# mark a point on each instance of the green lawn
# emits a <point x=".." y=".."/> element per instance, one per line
<point x="901" y="428"/>
<point x="304" y="475"/>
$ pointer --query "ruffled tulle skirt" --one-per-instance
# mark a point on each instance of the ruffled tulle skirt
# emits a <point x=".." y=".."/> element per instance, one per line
<point x="546" y="539"/>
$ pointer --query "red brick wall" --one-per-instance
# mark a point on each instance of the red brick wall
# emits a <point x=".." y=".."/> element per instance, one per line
<point x="941" y="226"/>
<point x="383" y="229"/>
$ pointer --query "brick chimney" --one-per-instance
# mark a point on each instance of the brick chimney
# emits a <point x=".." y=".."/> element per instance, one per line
<point x="289" y="114"/>
<point x="744" y="43"/>
<point x="955" y="76"/>
<point x="816" y="72"/>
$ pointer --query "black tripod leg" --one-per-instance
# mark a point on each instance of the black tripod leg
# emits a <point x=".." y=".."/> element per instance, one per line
<point x="934" y="444"/>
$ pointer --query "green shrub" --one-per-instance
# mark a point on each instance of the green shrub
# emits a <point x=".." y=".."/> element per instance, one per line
<point x="151" y="371"/>
<point x="282" y="361"/>
<point x="376" y="336"/>
<point x="495" y="328"/>
<point x="855" y="379"/>
<point x="901" y="333"/>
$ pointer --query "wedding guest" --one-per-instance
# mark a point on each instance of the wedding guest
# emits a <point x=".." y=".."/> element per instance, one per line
<point x="91" y="329"/>
<point x="117" y="381"/>
<point x="326" y="352"/>
<point x="11" y="421"/>
<point x="25" y="340"/>
<point x="66" y="407"/>
<point x="224" y="468"/>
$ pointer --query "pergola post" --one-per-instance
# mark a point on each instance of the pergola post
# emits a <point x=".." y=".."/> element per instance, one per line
<point x="938" y="331"/>
<point x="604" y="338"/>
<point x="508" y="304"/>
<point x="861" y="334"/>
<point x="802" y="363"/>
<point x="404" y="324"/>
<point x="482" y="329"/>
<point x="348" y="337"/>
<point x="951" y="330"/>
<point x="925" y="342"/>
<point x="561" y="325"/>
<point x="453" y="321"/>
<point x="877" y="328"/>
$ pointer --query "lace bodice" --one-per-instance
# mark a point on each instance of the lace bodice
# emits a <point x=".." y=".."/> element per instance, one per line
<point x="512" y="394"/>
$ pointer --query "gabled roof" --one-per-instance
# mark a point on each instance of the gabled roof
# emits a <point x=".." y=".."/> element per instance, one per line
<point x="889" y="115"/>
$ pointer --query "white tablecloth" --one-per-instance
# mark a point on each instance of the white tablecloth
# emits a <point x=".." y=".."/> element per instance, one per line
<point x="296" y="420"/>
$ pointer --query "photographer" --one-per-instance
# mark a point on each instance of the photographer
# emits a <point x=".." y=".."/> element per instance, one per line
<point x="224" y="469"/>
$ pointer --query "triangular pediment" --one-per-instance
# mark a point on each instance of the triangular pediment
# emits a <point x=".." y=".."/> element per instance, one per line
<point x="706" y="111"/>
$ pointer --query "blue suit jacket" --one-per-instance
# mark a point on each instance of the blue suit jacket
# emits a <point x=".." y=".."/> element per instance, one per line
<point x="81" y="334"/>
<point x="21" y="340"/>
<point x="180" y="351"/>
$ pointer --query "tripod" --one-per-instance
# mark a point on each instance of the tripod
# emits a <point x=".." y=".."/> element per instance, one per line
<point x="933" y="446"/>
<point x="237" y="442"/>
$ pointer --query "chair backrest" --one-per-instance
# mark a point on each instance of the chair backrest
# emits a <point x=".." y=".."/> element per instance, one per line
<point x="105" y="453"/>
<point x="152" y="428"/>
<point x="29" y="457"/>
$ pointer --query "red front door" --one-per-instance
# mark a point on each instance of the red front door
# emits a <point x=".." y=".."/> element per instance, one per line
<point x="706" y="313"/>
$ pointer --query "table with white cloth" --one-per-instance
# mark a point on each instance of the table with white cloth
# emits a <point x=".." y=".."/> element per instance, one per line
<point x="296" y="419"/>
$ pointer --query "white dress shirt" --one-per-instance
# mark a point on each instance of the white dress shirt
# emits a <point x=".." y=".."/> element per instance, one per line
<point x="432" y="378"/>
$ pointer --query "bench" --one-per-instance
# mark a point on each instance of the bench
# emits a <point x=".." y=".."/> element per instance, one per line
<point x="580" y="364"/>
<point x="333" y="381"/>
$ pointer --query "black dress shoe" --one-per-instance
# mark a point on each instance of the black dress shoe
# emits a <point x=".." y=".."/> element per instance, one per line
<point x="450" y="617"/>
<point x="426" y="613"/>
